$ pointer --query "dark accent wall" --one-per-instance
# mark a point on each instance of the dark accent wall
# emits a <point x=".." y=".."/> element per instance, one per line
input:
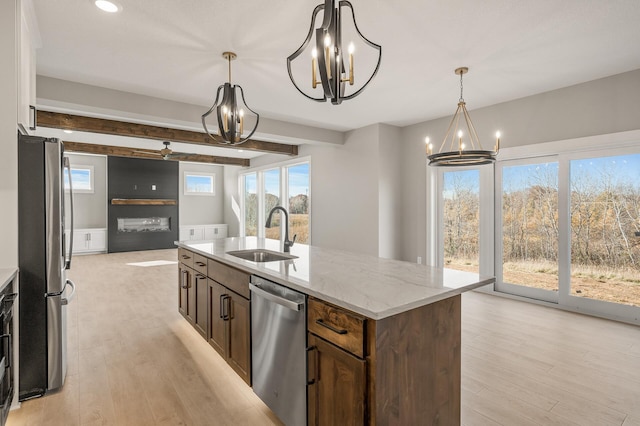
<point x="135" y="178"/>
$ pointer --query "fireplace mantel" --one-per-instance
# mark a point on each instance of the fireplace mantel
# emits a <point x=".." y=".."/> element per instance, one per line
<point x="143" y="202"/>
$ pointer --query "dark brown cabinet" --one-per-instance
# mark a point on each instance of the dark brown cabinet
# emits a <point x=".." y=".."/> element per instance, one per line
<point x="200" y="303"/>
<point x="184" y="293"/>
<point x="337" y="385"/>
<point x="337" y="368"/>
<point x="217" y="324"/>
<point x="230" y="328"/>
<point x="239" y="349"/>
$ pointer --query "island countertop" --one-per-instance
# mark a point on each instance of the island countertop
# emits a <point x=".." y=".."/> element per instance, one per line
<point x="374" y="287"/>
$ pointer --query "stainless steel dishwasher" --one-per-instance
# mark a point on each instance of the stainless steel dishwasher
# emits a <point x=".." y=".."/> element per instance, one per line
<point x="278" y="352"/>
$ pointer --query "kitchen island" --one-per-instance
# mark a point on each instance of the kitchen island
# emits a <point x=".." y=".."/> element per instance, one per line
<point x="391" y="353"/>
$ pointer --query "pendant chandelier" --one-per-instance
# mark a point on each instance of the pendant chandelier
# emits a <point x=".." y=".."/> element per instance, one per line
<point x="230" y="116"/>
<point x="454" y="151"/>
<point x="328" y="55"/>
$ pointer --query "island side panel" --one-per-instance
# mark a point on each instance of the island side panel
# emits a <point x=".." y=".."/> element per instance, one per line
<point x="415" y="366"/>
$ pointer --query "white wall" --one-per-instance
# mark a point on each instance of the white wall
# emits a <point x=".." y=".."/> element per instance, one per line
<point x="603" y="106"/>
<point x="8" y="135"/>
<point x="390" y="205"/>
<point x="344" y="192"/>
<point x="232" y="200"/>
<point x="355" y="191"/>
<point x="90" y="209"/>
<point x="54" y="94"/>
<point x="201" y="209"/>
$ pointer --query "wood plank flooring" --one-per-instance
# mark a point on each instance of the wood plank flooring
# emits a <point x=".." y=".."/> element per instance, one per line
<point x="133" y="360"/>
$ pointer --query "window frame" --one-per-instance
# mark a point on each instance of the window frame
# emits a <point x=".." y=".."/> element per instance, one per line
<point x="77" y="190"/>
<point x="284" y="192"/>
<point x="212" y="177"/>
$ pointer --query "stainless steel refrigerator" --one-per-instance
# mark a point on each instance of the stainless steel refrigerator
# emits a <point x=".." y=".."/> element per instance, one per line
<point x="44" y="257"/>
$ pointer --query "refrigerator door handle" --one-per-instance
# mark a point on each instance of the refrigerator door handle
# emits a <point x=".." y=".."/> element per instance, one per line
<point x="67" y="166"/>
<point x="69" y="298"/>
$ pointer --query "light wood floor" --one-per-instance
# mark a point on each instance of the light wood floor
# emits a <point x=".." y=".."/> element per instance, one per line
<point x="133" y="360"/>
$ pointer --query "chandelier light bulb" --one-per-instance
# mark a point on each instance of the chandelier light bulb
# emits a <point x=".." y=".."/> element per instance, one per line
<point x="498" y="134"/>
<point x="459" y="133"/>
<point x="462" y="147"/>
<point x="332" y="61"/>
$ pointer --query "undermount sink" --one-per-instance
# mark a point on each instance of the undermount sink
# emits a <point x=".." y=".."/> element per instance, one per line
<point x="261" y="255"/>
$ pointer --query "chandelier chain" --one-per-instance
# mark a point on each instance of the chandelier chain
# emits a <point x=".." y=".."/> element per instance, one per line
<point x="461" y="98"/>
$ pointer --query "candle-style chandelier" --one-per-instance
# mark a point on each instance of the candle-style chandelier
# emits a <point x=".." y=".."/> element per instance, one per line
<point x="230" y="116"/>
<point x="328" y="56"/>
<point x="453" y="151"/>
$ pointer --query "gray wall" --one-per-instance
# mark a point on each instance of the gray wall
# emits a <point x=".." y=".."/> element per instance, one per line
<point x="90" y="209"/>
<point x="201" y="209"/>
<point x="356" y="201"/>
<point x="603" y="106"/>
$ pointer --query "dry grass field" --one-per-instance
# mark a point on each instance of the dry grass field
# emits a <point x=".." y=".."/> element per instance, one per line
<point x="593" y="283"/>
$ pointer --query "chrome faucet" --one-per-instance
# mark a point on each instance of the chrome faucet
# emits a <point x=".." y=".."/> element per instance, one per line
<point x="287" y="243"/>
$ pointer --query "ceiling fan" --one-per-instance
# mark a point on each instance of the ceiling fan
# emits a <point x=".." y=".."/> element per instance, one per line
<point x="167" y="153"/>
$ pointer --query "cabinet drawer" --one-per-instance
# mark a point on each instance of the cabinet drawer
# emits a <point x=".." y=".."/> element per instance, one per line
<point x="339" y="326"/>
<point x="231" y="278"/>
<point x="186" y="257"/>
<point x="200" y="263"/>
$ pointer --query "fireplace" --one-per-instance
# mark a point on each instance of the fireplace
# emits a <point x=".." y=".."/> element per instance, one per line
<point x="144" y="224"/>
<point x="143" y="204"/>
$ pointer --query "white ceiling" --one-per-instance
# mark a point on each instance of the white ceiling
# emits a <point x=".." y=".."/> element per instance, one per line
<point x="172" y="49"/>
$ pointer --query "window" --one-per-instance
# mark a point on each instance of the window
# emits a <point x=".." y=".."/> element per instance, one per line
<point x="565" y="223"/>
<point x="288" y="186"/>
<point x="250" y="205"/>
<point x="605" y="225"/>
<point x="82" y="179"/>
<point x="530" y="231"/>
<point x="461" y="216"/>
<point x="271" y="181"/>
<point x="298" y="195"/>
<point x="199" y="183"/>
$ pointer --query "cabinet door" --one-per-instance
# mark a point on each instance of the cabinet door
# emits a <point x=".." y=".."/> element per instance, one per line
<point x="218" y="295"/>
<point x="183" y="287"/>
<point x="97" y="240"/>
<point x="337" y="394"/>
<point x="191" y="297"/>
<point x="239" y="354"/>
<point x="80" y="241"/>
<point x="200" y="291"/>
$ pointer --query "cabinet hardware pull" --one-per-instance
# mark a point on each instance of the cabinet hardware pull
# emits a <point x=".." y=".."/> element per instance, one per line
<point x="9" y="350"/>
<point x="200" y="264"/>
<point x="200" y="277"/>
<point x="315" y="365"/>
<point x="335" y="330"/>
<point x="33" y="113"/>
<point x="228" y="314"/>
<point x="184" y="274"/>
<point x="184" y="256"/>
<point x="224" y="315"/>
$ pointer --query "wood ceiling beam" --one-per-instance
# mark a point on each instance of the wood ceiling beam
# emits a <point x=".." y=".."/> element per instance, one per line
<point x="120" y="151"/>
<point x="121" y="128"/>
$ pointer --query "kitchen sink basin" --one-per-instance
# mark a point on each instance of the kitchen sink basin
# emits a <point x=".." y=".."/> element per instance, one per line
<point x="261" y="255"/>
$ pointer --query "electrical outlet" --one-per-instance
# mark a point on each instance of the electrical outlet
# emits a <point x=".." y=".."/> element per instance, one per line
<point x="419" y="260"/>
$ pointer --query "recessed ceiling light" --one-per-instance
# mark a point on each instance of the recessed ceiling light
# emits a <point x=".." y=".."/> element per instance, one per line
<point x="68" y="131"/>
<point x="107" y="6"/>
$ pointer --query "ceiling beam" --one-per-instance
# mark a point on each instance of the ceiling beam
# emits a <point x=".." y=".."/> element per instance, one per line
<point x="121" y="128"/>
<point x="121" y="151"/>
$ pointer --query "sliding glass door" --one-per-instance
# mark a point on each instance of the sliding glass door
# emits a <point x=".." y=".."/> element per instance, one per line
<point x="527" y="221"/>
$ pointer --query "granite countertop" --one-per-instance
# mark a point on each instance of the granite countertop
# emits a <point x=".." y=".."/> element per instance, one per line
<point x="374" y="287"/>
